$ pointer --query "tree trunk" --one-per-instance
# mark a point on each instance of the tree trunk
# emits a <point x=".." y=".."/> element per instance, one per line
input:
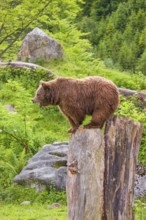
<point x="85" y="175"/>
<point x="122" y="141"/>
<point x="100" y="180"/>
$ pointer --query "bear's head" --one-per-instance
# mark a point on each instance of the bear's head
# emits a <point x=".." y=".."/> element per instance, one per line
<point x="42" y="94"/>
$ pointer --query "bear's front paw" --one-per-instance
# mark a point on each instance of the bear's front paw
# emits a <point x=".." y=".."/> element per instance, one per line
<point x="91" y="125"/>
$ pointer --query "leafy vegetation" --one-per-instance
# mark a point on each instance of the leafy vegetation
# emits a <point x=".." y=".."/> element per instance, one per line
<point x="51" y="15"/>
<point x="97" y="37"/>
<point x="139" y="207"/>
<point x="18" y="194"/>
<point x="116" y="30"/>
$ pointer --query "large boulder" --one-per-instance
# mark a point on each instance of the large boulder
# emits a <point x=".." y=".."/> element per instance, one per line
<point x="45" y="168"/>
<point x="37" y="45"/>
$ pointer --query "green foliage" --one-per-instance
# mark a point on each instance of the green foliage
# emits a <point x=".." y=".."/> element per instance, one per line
<point x="19" y="17"/>
<point x="116" y="30"/>
<point x="33" y="212"/>
<point x="10" y="165"/>
<point x="19" y="194"/>
<point x="130" y="107"/>
<point x="28" y="78"/>
<point x="19" y="126"/>
<point x="27" y="128"/>
<point x="142" y="63"/>
<point x="140" y="208"/>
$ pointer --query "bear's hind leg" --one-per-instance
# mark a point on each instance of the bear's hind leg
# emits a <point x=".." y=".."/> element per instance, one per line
<point x="97" y="121"/>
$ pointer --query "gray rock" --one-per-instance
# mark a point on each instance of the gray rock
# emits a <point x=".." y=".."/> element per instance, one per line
<point x="37" y="45"/>
<point x="140" y="186"/>
<point x="45" y="168"/>
<point x="10" y="108"/>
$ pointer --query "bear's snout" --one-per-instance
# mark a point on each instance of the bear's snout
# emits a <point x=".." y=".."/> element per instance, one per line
<point x="33" y="100"/>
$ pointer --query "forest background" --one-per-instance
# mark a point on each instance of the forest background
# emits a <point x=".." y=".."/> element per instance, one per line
<point x="99" y="37"/>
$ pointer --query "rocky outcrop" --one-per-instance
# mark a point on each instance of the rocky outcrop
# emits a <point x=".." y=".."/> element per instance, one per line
<point x="37" y="45"/>
<point x="46" y="167"/>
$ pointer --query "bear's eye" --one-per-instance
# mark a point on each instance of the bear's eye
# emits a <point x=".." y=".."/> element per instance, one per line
<point x="38" y="95"/>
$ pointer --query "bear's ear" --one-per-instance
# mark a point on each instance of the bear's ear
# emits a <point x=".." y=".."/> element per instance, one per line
<point x="41" y="82"/>
<point x="44" y="84"/>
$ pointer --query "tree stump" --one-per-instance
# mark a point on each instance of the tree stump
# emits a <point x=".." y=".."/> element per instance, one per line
<point x="85" y="175"/>
<point x="101" y="170"/>
<point x="122" y="141"/>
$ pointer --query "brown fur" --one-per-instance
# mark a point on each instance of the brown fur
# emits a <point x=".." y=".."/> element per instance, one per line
<point x="77" y="98"/>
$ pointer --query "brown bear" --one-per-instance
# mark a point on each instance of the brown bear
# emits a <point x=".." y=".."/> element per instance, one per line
<point x="77" y="98"/>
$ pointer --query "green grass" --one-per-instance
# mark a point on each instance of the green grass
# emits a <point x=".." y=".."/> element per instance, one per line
<point x="42" y="212"/>
<point x="32" y="212"/>
<point x="140" y="208"/>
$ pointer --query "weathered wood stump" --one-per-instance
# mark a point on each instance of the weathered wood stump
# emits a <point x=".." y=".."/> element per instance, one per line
<point x="85" y="175"/>
<point x="122" y="141"/>
<point x="101" y="171"/>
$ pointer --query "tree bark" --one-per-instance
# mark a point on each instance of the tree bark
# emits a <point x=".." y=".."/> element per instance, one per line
<point x="85" y="175"/>
<point x="101" y="170"/>
<point x="122" y="141"/>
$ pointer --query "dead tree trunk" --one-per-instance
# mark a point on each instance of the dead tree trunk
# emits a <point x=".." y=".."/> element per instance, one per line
<point x="122" y="141"/>
<point x="100" y="178"/>
<point x="24" y="65"/>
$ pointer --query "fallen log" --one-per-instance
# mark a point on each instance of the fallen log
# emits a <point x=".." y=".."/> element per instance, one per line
<point x="140" y="95"/>
<point x="23" y="65"/>
<point x="128" y="92"/>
